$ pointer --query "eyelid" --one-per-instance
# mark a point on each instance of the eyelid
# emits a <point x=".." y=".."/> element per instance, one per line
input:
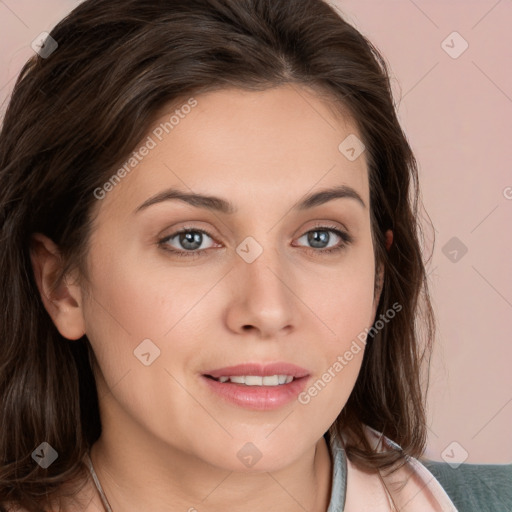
<point x="328" y="225"/>
<point x="187" y="229"/>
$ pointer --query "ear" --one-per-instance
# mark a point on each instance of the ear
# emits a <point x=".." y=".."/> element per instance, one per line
<point x="379" y="278"/>
<point x="389" y="239"/>
<point x="61" y="299"/>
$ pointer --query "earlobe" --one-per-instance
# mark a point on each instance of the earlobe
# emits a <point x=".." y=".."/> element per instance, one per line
<point x="389" y="239"/>
<point x="379" y="277"/>
<point x="61" y="299"/>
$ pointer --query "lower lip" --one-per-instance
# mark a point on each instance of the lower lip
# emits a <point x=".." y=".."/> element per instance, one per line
<point x="260" y="398"/>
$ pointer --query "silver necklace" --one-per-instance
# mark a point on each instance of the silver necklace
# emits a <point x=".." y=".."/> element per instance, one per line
<point x="104" y="500"/>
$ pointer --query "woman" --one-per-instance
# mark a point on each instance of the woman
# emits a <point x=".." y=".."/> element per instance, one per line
<point x="211" y="278"/>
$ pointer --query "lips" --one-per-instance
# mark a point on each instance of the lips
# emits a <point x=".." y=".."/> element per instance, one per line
<point x="259" y="369"/>
<point x="255" y="385"/>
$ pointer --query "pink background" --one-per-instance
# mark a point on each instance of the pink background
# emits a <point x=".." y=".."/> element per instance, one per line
<point x="457" y="113"/>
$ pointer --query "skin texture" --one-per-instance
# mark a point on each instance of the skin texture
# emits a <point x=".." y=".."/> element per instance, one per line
<point x="168" y="443"/>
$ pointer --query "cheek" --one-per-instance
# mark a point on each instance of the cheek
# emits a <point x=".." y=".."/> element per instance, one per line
<point x="343" y="297"/>
<point x="124" y="306"/>
<point x="134" y="308"/>
<point x="345" y="308"/>
<point x="134" y="299"/>
<point x="343" y="301"/>
<point x="140" y="297"/>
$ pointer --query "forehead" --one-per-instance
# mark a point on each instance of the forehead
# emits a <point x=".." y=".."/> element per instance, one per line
<point x="256" y="146"/>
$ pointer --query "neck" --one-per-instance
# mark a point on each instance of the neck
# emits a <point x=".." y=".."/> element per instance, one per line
<point x="148" y="476"/>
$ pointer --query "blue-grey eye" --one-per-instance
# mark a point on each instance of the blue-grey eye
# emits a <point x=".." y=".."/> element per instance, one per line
<point x="188" y="240"/>
<point x="319" y="238"/>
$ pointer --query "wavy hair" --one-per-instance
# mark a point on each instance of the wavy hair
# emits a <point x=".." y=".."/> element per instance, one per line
<point x="76" y="114"/>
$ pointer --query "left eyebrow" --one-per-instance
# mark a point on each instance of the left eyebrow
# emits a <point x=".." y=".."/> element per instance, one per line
<point x="223" y="206"/>
<point x="328" y="194"/>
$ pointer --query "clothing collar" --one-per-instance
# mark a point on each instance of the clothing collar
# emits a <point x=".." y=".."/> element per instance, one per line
<point x="432" y="491"/>
<point x="339" y="473"/>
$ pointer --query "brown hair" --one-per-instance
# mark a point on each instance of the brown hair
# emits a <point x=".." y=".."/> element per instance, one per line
<point x="79" y="112"/>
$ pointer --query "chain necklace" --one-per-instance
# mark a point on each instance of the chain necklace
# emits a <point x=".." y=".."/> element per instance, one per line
<point x="104" y="499"/>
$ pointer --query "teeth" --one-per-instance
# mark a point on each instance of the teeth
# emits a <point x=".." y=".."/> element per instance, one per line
<point x="256" y="380"/>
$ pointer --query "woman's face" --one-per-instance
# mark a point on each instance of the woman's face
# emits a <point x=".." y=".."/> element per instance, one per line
<point x="246" y="286"/>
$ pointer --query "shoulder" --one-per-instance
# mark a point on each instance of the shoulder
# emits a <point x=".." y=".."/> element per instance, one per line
<point x="482" y="487"/>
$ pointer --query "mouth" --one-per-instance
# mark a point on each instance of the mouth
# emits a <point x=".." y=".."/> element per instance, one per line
<point x="257" y="386"/>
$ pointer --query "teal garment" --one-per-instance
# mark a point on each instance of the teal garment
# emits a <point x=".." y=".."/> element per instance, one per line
<point x="339" y="475"/>
<point x="475" y="487"/>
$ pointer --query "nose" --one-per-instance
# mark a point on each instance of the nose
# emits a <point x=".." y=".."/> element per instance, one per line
<point x="263" y="301"/>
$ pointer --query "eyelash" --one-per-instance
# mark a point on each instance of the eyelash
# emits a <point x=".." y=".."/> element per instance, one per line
<point x="345" y="237"/>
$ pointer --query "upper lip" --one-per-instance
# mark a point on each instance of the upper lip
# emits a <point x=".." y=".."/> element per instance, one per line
<point x="260" y="369"/>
